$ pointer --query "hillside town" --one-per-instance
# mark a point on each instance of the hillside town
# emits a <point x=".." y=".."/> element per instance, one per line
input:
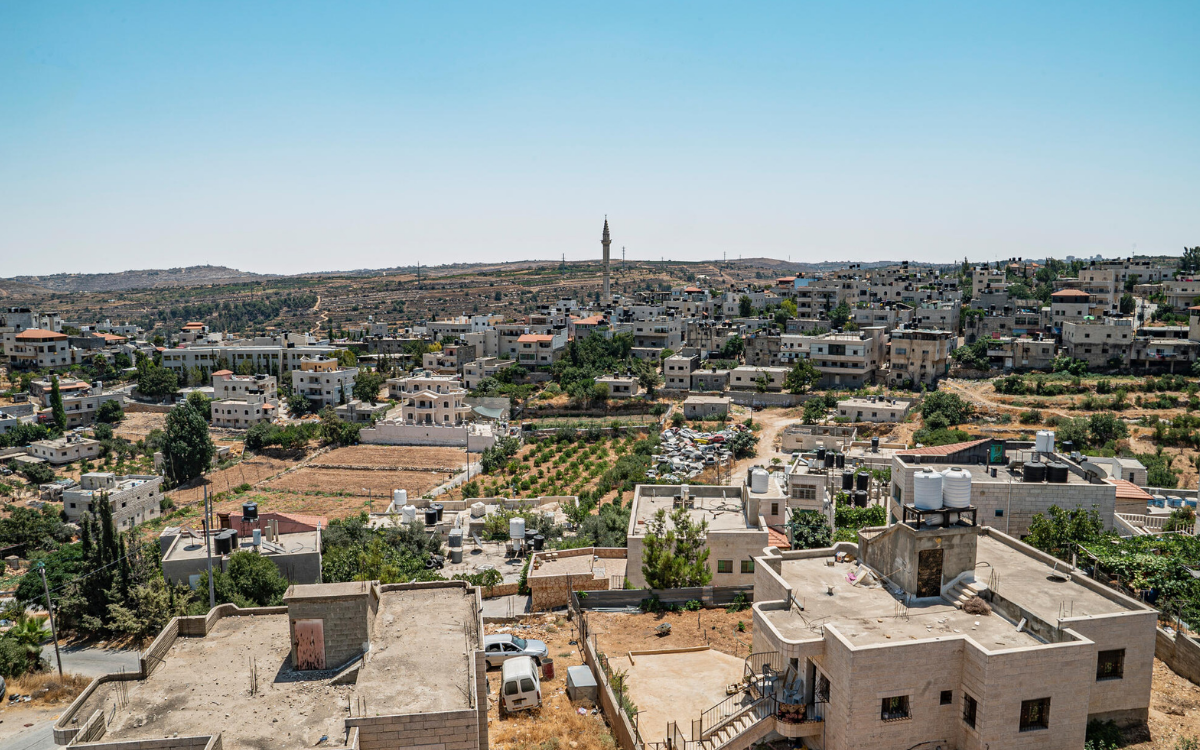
<point x="830" y="509"/>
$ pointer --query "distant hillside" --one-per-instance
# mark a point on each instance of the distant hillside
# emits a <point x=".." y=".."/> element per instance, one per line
<point x="146" y="279"/>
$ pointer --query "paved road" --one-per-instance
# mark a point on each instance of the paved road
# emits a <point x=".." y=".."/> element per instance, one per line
<point x="38" y="737"/>
<point x="501" y="606"/>
<point x="92" y="661"/>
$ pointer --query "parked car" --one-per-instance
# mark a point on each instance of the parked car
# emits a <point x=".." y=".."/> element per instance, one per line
<point x="520" y="687"/>
<point x="500" y="647"/>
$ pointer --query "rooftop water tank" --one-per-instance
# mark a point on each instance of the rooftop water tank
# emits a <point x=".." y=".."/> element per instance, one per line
<point x="848" y="479"/>
<point x="456" y="537"/>
<point x="862" y="481"/>
<point x="1044" y="441"/>
<point x="860" y="498"/>
<point x="758" y="480"/>
<point x="399" y="498"/>
<point x="927" y="490"/>
<point x="408" y="513"/>
<point x="431" y="517"/>
<point x="516" y="527"/>
<point x="439" y="508"/>
<point x="1034" y="472"/>
<point x="478" y="510"/>
<point x="249" y="511"/>
<point x="839" y="460"/>
<point x="956" y="488"/>
<point x="1057" y="472"/>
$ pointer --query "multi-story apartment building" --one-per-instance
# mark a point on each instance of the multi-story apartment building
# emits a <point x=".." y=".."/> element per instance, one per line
<point x="677" y="372"/>
<point x="456" y="328"/>
<point x="65" y="449"/>
<point x="432" y="400"/>
<point x="1100" y="343"/>
<point x="708" y="337"/>
<point x="133" y="499"/>
<point x="1181" y="294"/>
<point x="920" y="356"/>
<point x="1009" y="322"/>
<point x="886" y="315"/>
<point x="242" y="413"/>
<point x="270" y="356"/>
<point x="323" y="381"/>
<point x="748" y="378"/>
<point x="846" y="360"/>
<point x="1151" y="352"/>
<point x="944" y="316"/>
<point x="538" y="351"/>
<point x="38" y="348"/>
<point x="762" y="349"/>
<point x="421" y="382"/>
<point x="480" y="368"/>
<point x="450" y="360"/>
<point x="1022" y="353"/>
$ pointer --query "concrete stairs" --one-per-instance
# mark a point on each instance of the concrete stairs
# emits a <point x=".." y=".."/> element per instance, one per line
<point x="744" y="729"/>
<point x="962" y="591"/>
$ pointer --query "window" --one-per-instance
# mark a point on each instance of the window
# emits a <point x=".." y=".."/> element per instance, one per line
<point x="805" y="492"/>
<point x="947" y="697"/>
<point x="1035" y="714"/>
<point x="747" y="566"/>
<point x="724" y="566"/>
<point x="895" y="709"/>
<point x="999" y="512"/>
<point x="774" y="509"/>
<point x="969" y="709"/>
<point x="1110" y="665"/>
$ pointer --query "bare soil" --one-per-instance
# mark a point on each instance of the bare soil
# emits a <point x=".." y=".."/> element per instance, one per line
<point x="137" y="425"/>
<point x="357" y="482"/>
<point x="621" y="632"/>
<point x="1174" y="712"/>
<point x="393" y="456"/>
<point x="250" y="471"/>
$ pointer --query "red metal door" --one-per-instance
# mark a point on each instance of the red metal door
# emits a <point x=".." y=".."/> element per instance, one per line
<point x="310" y="644"/>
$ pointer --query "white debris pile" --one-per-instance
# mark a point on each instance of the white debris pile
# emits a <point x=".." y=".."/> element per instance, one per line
<point x="686" y="452"/>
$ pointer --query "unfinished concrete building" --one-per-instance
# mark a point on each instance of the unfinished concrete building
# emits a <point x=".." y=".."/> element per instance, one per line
<point x="185" y="554"/>
<point x="345" y="665"/>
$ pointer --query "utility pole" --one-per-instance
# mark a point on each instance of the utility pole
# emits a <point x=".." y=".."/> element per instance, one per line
<point x="212" y="592"/>
<point x="50" y="610"/>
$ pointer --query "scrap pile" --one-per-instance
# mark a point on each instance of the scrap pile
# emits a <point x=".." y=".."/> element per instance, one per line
<point x="685" y="452"/>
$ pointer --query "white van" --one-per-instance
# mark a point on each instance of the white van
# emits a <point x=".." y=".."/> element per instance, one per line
<point x="520" y="687"/>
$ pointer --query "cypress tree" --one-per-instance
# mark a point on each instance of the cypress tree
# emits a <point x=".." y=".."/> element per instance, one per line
<point x="58" y="413"/>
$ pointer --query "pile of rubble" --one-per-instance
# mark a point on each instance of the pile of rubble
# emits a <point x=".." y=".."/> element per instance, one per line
<point x="685" y="453"/>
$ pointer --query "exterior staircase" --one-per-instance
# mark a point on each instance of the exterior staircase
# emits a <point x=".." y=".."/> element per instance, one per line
<point x="744" y="729"/>
<point x="962" y="591"/>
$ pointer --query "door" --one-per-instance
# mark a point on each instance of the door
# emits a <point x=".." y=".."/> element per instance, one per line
<point x="929" y="572"/>
<point x="310" y="644"/>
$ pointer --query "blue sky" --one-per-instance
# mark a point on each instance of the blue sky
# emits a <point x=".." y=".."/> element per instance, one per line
<point x="288" y="137"/>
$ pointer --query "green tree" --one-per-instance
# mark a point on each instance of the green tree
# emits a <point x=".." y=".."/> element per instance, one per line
<point x="675" y="556"/>
<point x="649" y="380"/>
<point x="38" y="473"/>
<point x="187" y="450"/>
<point x="346" y="358"/>
<point x="246" y="366"/>
<point x="788" y="306"/>
<point x="59" y="414"/>
<point x="950" y="406"/>
<point x="809" y="529"/>
<point x="733" y="347"/>
<point x="1059" y="532"/>
<point x="157" y="382"/>
<point x="745" y="306"/>
<point x="14" y="661"/>
<point x="743" y="444"/>
<point x="1106" y="426"/>
<point x="201" y="403"/>
<point x="801" y="377"/>
<point x="34" y="529"/>
<point x="367" y="386"/>
<point x="252" y="580"/>
<point x="150" y="606"/>
<point x="840" y="315"/>
<point x="30" y="634"/>
<point x="110" y="412"/>
<point x="814" y="411"/>
<point x="1128" y="304"/>
<point x="1190" y="262"/>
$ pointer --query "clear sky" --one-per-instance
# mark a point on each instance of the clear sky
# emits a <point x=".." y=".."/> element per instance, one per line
<point x="288" y="137"/>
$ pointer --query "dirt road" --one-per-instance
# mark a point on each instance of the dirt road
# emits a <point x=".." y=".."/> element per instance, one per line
<point x="773" y="421"/>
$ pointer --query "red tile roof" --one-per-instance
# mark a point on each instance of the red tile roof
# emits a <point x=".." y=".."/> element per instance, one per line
<point x="593" y="320"/>
<point x="1127" y="490"/>
<point x="534" y="337"/>
<point x="39" y="334"/>
<point x="777" y="538"/>
<point x="942" y="450"/>
<point x="1070" y="293"/>
<point x="222" y="372"/>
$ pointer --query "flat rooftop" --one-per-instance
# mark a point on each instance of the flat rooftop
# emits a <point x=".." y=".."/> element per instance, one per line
<point x="190" y="545"/>
<point x="1027" y="582"/>
<point x="203" y="685"/>
<point x="723" y="512"/>
<point x="580" y="565"/>
<point x="981" y="473"/>
<point x="868" y="615"/>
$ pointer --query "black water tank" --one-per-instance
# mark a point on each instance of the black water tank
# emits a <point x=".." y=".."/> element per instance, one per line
<point x="1034" y="472"/>
<point x="874" y="445"/>
<point x="847" y="480"/>
<point x="1057" y="472"/>
<point x="539" y="541"/>
<point x="839" y="460"/>
<point x="430" y="517"/>
<point x="233" y="540"/>
<point x="860" y="498"/>
<point x="439" y="508"/>
<point x="249" y="511"/>
<point x="829" y="460"/>
<point x="821" y="455"/>
<point x="862" y="481"/>
<point x="221" y="543"/>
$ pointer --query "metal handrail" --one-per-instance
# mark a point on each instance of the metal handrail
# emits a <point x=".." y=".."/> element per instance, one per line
<point x="726" y="709"/>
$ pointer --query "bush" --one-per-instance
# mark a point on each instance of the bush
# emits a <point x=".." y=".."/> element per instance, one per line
<point x="1033" y="416"/>
<point x="38" y="473"/>
<point x="13" y="659"/>
<point x="948" y="405"/>
<point x="1104" y="734"/>
<point x="110" y="412"/>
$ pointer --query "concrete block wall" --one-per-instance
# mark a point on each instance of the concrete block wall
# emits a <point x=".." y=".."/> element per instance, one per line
<point x="1179" y="652"/>
<point x="548" y="592"/>
<point x="454" y="730"/>
<point x="196" y="742"/>
<point x="1128" y="698"/>
<point x="347" y="624"/>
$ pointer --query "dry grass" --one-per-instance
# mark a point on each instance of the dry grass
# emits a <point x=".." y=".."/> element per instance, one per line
<point x="385" y="456"/>
<point x="45" y="687"/>
<point x="352" y="482"/>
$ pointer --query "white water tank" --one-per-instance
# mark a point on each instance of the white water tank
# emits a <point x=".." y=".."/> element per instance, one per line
<point x="478" y="510"/>
<point x="408" y="513"/>
<point x="758" y="479"/>
<point x="927" y="490"/>
<point x="399" y="498"/>
<point x="516" y="527"/>
<point x="1044" y="441"/>
<point x="956" y="488"/>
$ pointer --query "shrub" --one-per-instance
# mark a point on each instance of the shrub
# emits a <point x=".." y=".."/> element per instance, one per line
<point x="1033" y="416"/>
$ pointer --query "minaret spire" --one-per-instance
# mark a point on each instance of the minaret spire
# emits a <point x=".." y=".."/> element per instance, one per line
<point x="605" y="241"/>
